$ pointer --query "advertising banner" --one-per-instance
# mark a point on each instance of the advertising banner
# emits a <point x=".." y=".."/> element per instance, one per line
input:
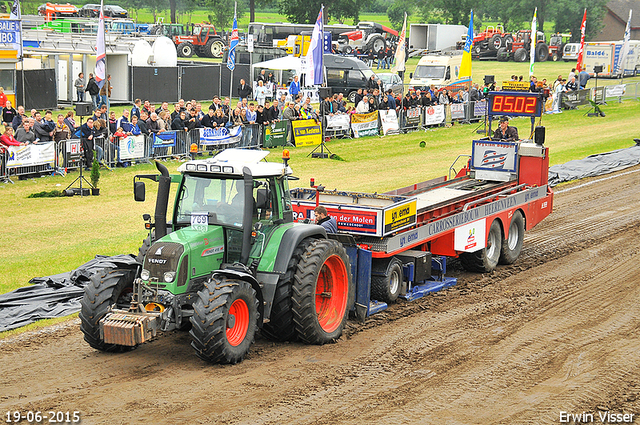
<point x="360" y="221"/>
<point x="470" y="237"/>
<point x="412" y="117"/>
<point x="220" y="136"/>
<point x="515" y="85"/>
<point x="495" y="156"/>
<point x="434" y="115"/>
<point x="338" y="122"/>
<point x="74" y="151"/>
<point x="306" y="132"/>
<point x="165" y="139"/>
<point x="399" y="217"/>
<point x="304" y="93"/>
<point x="479" y="109"/>
<point x="389" y="121"/>
<point x="457" y="111"/>
<point x="365" y="124"/>
<point x="575" y="98"/>
<point x="132" y="147"/>
<point x="276" y="134"/>
<point x="615" y="91"/>
<point x="38" y="154"/>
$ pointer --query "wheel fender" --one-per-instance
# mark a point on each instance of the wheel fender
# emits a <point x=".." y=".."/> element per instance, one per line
<point x="290" y="240"/>
<point x="236" y="274"/>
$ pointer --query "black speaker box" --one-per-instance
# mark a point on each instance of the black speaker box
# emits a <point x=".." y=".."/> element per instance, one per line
<point x="489" y="79"/>
<point x="323" y="92"/>
<point x="539" y="135"/>
<point x="84" y="109"/>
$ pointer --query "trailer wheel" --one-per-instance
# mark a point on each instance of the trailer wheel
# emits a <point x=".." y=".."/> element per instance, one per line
<point x="503" y="55"/>
<point x="486" y="259"/>
<point x="185" y="49"/>
<point x="107" y="287"/>
<point x="387" y="288"/>
<point x="520" y="55"/>
<point x="495" y="42"/>
<point x="280" y="326"/>
<point x="512" y="245"/>
<point x="224" y="321"/>
<point x="323" y="292"/>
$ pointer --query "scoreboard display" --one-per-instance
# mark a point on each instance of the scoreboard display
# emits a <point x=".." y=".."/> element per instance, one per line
<point x="515" y="103"/>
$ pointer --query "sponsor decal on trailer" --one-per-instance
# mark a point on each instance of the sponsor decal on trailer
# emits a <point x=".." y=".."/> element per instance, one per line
<point x="470" y="237"/>
<point x="499" y="156"/>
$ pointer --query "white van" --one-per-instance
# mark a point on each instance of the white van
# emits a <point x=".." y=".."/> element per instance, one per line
<point x="570" y="52"/>
<point x="439" y="70"/>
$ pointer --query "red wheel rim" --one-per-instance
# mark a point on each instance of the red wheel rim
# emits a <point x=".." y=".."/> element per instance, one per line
<point x="332" y="289"/>
<point x="239" y="324"/>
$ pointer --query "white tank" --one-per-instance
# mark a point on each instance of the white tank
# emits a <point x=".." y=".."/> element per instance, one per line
<point x="164" y="52"/>
<point x="141" y="52"/>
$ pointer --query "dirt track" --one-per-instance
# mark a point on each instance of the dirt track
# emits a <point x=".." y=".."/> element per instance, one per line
<point x="557" y="331"/>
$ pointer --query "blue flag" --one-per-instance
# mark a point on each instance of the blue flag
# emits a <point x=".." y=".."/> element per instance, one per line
<point x="314" y="56"/>
<point x="233" y="42"/>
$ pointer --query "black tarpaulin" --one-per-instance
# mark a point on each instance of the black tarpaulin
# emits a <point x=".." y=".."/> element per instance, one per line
<point x="594" y="165"/>
<point x="53" y="296"/>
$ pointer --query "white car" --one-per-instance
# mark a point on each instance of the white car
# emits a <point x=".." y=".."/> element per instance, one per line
<point x="393" y="82"/>
<point x="570" y="52"/>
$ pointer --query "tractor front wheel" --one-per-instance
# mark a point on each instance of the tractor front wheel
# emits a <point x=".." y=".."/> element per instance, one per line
<point x="224" y="321"/>
<point x="107" y="287"/>
<point x="185" y="49"/>
<point x="323" y="292"/>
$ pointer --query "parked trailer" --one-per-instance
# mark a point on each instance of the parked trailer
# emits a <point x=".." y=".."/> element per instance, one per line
<point x="606" y="54"/>
<point x="235" y="257"/>
<point x="435" y="37"/>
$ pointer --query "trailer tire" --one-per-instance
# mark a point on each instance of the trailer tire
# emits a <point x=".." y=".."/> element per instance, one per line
<point x="280" y="326"/>
<point x="387" y="288"/>
<point x="512" y="244"/>
<point x="224" y="321"/>
<point x="323" y="292"/>
<point x="503" y="55"/>
<point x="542" y="52"/>
<point x="520" y="55"/>
<point x="486" y="259"/>
<point x="106" y="287"/>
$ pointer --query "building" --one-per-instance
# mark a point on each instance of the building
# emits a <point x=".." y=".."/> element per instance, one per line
<point x="615" y="20"/>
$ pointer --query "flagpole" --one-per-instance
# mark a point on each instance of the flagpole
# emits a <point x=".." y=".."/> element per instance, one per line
<point x="235" y="17"/>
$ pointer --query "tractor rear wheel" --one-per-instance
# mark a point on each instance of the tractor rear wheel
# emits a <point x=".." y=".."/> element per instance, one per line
<point x="542" y="52"/>
<point x="495" y="42"/>
<point x="508" y="42"/>
<point x="512" y="245"/>
<point x="224" y="321"/>
<point x="323" y="292"/>
<point x="503" y="55"/>
<point x="376" y="42"/>
<point x="280" y="326"/>
<point x="214" y="48"/>
<point x="107" y="287"/>
<point x="185" y="49"/>
<point x="387" y="287"/>
<point x="486" y="259"/>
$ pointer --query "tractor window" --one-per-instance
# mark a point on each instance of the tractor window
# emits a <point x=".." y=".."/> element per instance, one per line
<point x="222" y="198"/>
<point x="196" y="30"/>
<point x="429" y="71"/>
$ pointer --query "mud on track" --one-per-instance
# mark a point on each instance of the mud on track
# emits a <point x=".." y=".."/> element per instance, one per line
<point x="557" y="331"/>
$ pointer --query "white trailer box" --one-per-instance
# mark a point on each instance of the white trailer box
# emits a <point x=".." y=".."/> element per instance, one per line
<point x="606" y="53"/>
<point x="435" y="37"/>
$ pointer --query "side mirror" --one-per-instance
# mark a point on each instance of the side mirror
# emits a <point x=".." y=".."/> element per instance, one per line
<point x="138" y="191"/>
<point x="262" y="198"/>
<point x="448" y="76"/>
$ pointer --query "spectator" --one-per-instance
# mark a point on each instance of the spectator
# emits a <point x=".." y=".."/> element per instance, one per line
<point x="236" y="118"/>
<point x="572" y="73"/>
<point x="208" y="120"/>
<point x="147" y="107"/>
<point x="135" y="128"/>
<point x="341" y="103"/>
<point x="17" y="120"/>
<point x="294" y="87"/>
<point x="163" y="120"/>
<point x="24" y="134"/>
<point x="474" y="93"/>
<point x="289" y="112"/>
<point x="105" y="91"/>
<point x="373" y="104"/>
<point x="152" y="124"/>
<point x="176" y="112"/>
<point x="226" y="107"/>
<point x="42" y="128"/>
<point x="3" y="98"/>
<point x="557" y="96"/>
<point x="192" y="120"/>
<point x="142" y="123"/>
<point x="7" y="138"/>
<point x="275" y="111"/>
<point x="94" y="91"/>
<point x="62" y="131"/>
<point x="135" y="110"/>
<point x="262" y="77"/>
<point x="8" y="113"/>
<point x="358" y="97"/>
<point x="583" y="78"/>
<point x="384" y="105"/>
<point x="261" y="93"/>
<point x="323" y="219"/>
<point x="123" y="121"/>
<point x="363" y="106"/>
<point x="382" y="61"/>
<point x="244" y="90"/>
<point x="444" y="98"/>
<point x="179" y="123"/>
<point x="86" y="138"/>
<point x="391" y="101"/>
<point x="163" y="107"/>
<point x="99" y="138"/>
<point x="79" y="85"/>
<point x="113" y="122"/>
<point x="70" y="122"/>
<point x="505" y="131"/>
<point x="219" y="119"/>
<point x="572" y="85"/>
<point x="372" y="83"/>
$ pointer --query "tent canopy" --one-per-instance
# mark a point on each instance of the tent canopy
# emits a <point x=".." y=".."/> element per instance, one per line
<point x="286" y="63"/>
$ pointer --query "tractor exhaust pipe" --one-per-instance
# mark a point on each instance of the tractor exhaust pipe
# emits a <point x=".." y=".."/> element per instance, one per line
<point x="247" y="219"/>
<point x="162" y="201"/>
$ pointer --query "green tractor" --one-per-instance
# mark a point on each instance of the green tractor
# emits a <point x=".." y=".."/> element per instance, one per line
<point x="231" y="261"/>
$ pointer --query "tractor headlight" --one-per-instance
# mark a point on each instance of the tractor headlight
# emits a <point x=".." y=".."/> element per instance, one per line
<point x="169" y="276"/>
<point x="144" y="274"/>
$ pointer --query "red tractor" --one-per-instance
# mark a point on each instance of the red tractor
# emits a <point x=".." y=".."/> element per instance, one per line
<point x="204" y="41"/>
<point x="367" y="36"/>
<point x="490" y="40"/>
